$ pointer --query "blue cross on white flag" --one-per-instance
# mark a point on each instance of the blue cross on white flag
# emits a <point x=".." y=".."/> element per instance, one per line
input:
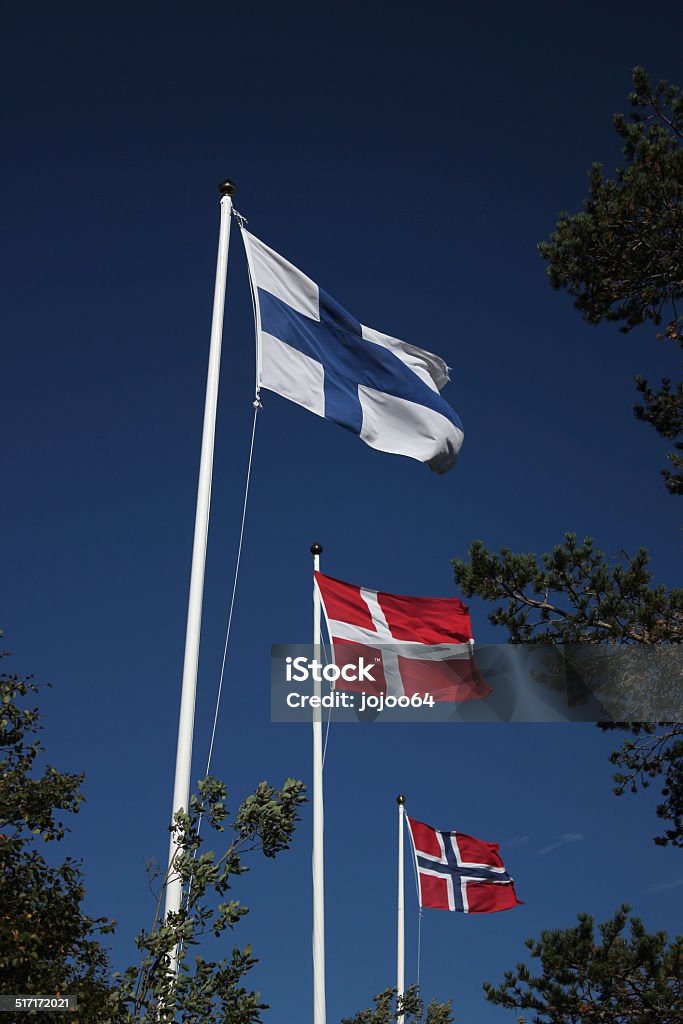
<point x="311" y="351"/>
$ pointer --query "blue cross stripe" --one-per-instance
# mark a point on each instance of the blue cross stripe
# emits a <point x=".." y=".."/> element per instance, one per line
<point x="347" y="358"/>
<point x="456" y="871"/>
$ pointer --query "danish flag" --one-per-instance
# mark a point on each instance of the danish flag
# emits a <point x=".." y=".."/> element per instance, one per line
<point x="419" y="645"/>
<point x="459" y="872"/>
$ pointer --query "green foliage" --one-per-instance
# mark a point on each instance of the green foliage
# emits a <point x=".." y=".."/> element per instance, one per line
<point x="386" y="1009"/>
<point x="621" y="258"/>
<point x="622" y="974"/>
<point x="653" y="752"/>
<point x="663" y="409"/>
<point x="208" y="991"/>
<point x="47" y="944"/>
<point x="575" y="595"/>
<point x="572" y="594"/>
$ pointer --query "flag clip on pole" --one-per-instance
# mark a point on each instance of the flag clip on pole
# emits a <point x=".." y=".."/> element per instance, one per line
<point x="319" y="1011"/>
<point x="181" y="790"/>
<point x="400" y="943"/>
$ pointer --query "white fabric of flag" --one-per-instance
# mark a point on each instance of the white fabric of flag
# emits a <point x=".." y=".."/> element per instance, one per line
<point x="311" y="351"/>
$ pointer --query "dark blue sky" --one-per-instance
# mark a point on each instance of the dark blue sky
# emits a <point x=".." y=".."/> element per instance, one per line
<point x="408" y="159"/>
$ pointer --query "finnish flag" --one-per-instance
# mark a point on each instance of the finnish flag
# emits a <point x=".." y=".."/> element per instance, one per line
<point x="311" y="351"/>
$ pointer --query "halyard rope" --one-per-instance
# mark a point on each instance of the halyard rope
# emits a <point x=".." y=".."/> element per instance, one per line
<point x="257" y="406"/>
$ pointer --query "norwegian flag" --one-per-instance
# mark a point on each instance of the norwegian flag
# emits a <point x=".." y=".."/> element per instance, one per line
<point x="458" y="872"/>
<point x="432" y="637"/>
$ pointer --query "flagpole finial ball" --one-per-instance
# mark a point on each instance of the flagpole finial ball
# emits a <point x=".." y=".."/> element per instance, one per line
<point x="400" y="799"/>
<point x="316" y="549"/>
<point x="227" y="187"/>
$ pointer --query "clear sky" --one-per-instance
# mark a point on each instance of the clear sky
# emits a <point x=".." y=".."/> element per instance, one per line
<point x="408" y="158"/>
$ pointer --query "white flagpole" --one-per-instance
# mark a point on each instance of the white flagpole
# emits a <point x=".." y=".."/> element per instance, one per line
<point x="319" y="1011"/>
<point x="400" y="944"/>
<point x="181" y="789"/>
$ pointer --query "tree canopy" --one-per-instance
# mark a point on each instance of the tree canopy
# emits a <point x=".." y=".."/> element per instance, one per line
<point x="49" y="946"/>
<point x="387" y="1009"/>
<point x="208" y="991"/>
<point x="572" y="594"/>
<point x="621" y="257"/>
<point x="619" y="975"/>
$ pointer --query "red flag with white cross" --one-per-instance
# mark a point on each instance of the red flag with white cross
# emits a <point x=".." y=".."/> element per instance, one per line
<point x="420" y="645"/>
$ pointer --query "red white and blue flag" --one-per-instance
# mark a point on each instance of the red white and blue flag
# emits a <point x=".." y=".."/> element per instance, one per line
<point x="458" y="872"/>
<point x="418" y="645"/>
